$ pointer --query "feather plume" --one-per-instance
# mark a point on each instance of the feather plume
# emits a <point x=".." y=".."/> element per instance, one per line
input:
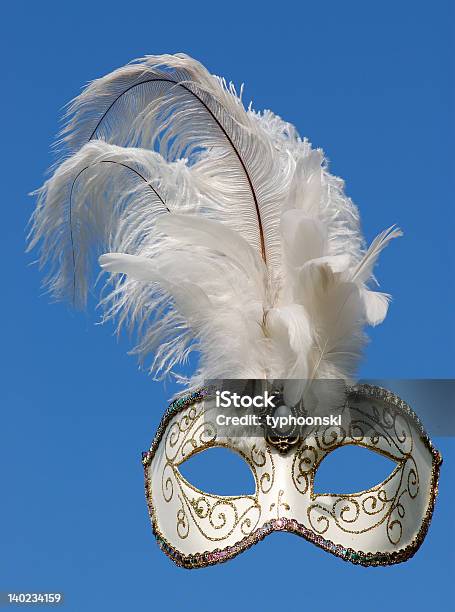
<point x="222" y="231"/>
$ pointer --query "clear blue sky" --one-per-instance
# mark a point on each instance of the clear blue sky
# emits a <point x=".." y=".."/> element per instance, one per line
<point x="372" y="84"/>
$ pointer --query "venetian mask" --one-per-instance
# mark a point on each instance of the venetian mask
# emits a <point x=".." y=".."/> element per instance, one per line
<point x="224" y="232"/>
<point x="380" y="526"/>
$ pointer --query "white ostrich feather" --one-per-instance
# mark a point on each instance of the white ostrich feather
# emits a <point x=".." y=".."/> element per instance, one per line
<point x="222" y="230"/>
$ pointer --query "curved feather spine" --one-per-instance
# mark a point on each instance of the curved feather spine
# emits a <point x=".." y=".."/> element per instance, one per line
<point x="177" y="105"/>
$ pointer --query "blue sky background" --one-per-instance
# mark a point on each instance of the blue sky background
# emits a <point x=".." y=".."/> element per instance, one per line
<point x="370" y="83"/>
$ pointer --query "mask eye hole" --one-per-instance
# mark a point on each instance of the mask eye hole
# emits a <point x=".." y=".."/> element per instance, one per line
<point x="351" y="469"/>
<point x="219" y="471"/>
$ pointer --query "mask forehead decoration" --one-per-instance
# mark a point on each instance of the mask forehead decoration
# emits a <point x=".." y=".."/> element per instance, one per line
<point x="224" y="232"/>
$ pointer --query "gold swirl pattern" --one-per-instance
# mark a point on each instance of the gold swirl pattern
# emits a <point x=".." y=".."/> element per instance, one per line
<point x="263" y="458"/>
<point x="303" y="467"/>
<point x="379" y="428"/>
<point x="183" y="526"/>
<point x="215" y="517"/>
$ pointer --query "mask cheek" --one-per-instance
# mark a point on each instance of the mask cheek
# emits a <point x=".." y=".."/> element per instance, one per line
<point x="187" y="519"/>
<point x="390" y="518"/>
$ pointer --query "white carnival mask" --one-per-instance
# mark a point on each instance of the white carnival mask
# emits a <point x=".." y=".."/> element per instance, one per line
<point x="380" y="526"/>
<point x="224" y="232"/>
